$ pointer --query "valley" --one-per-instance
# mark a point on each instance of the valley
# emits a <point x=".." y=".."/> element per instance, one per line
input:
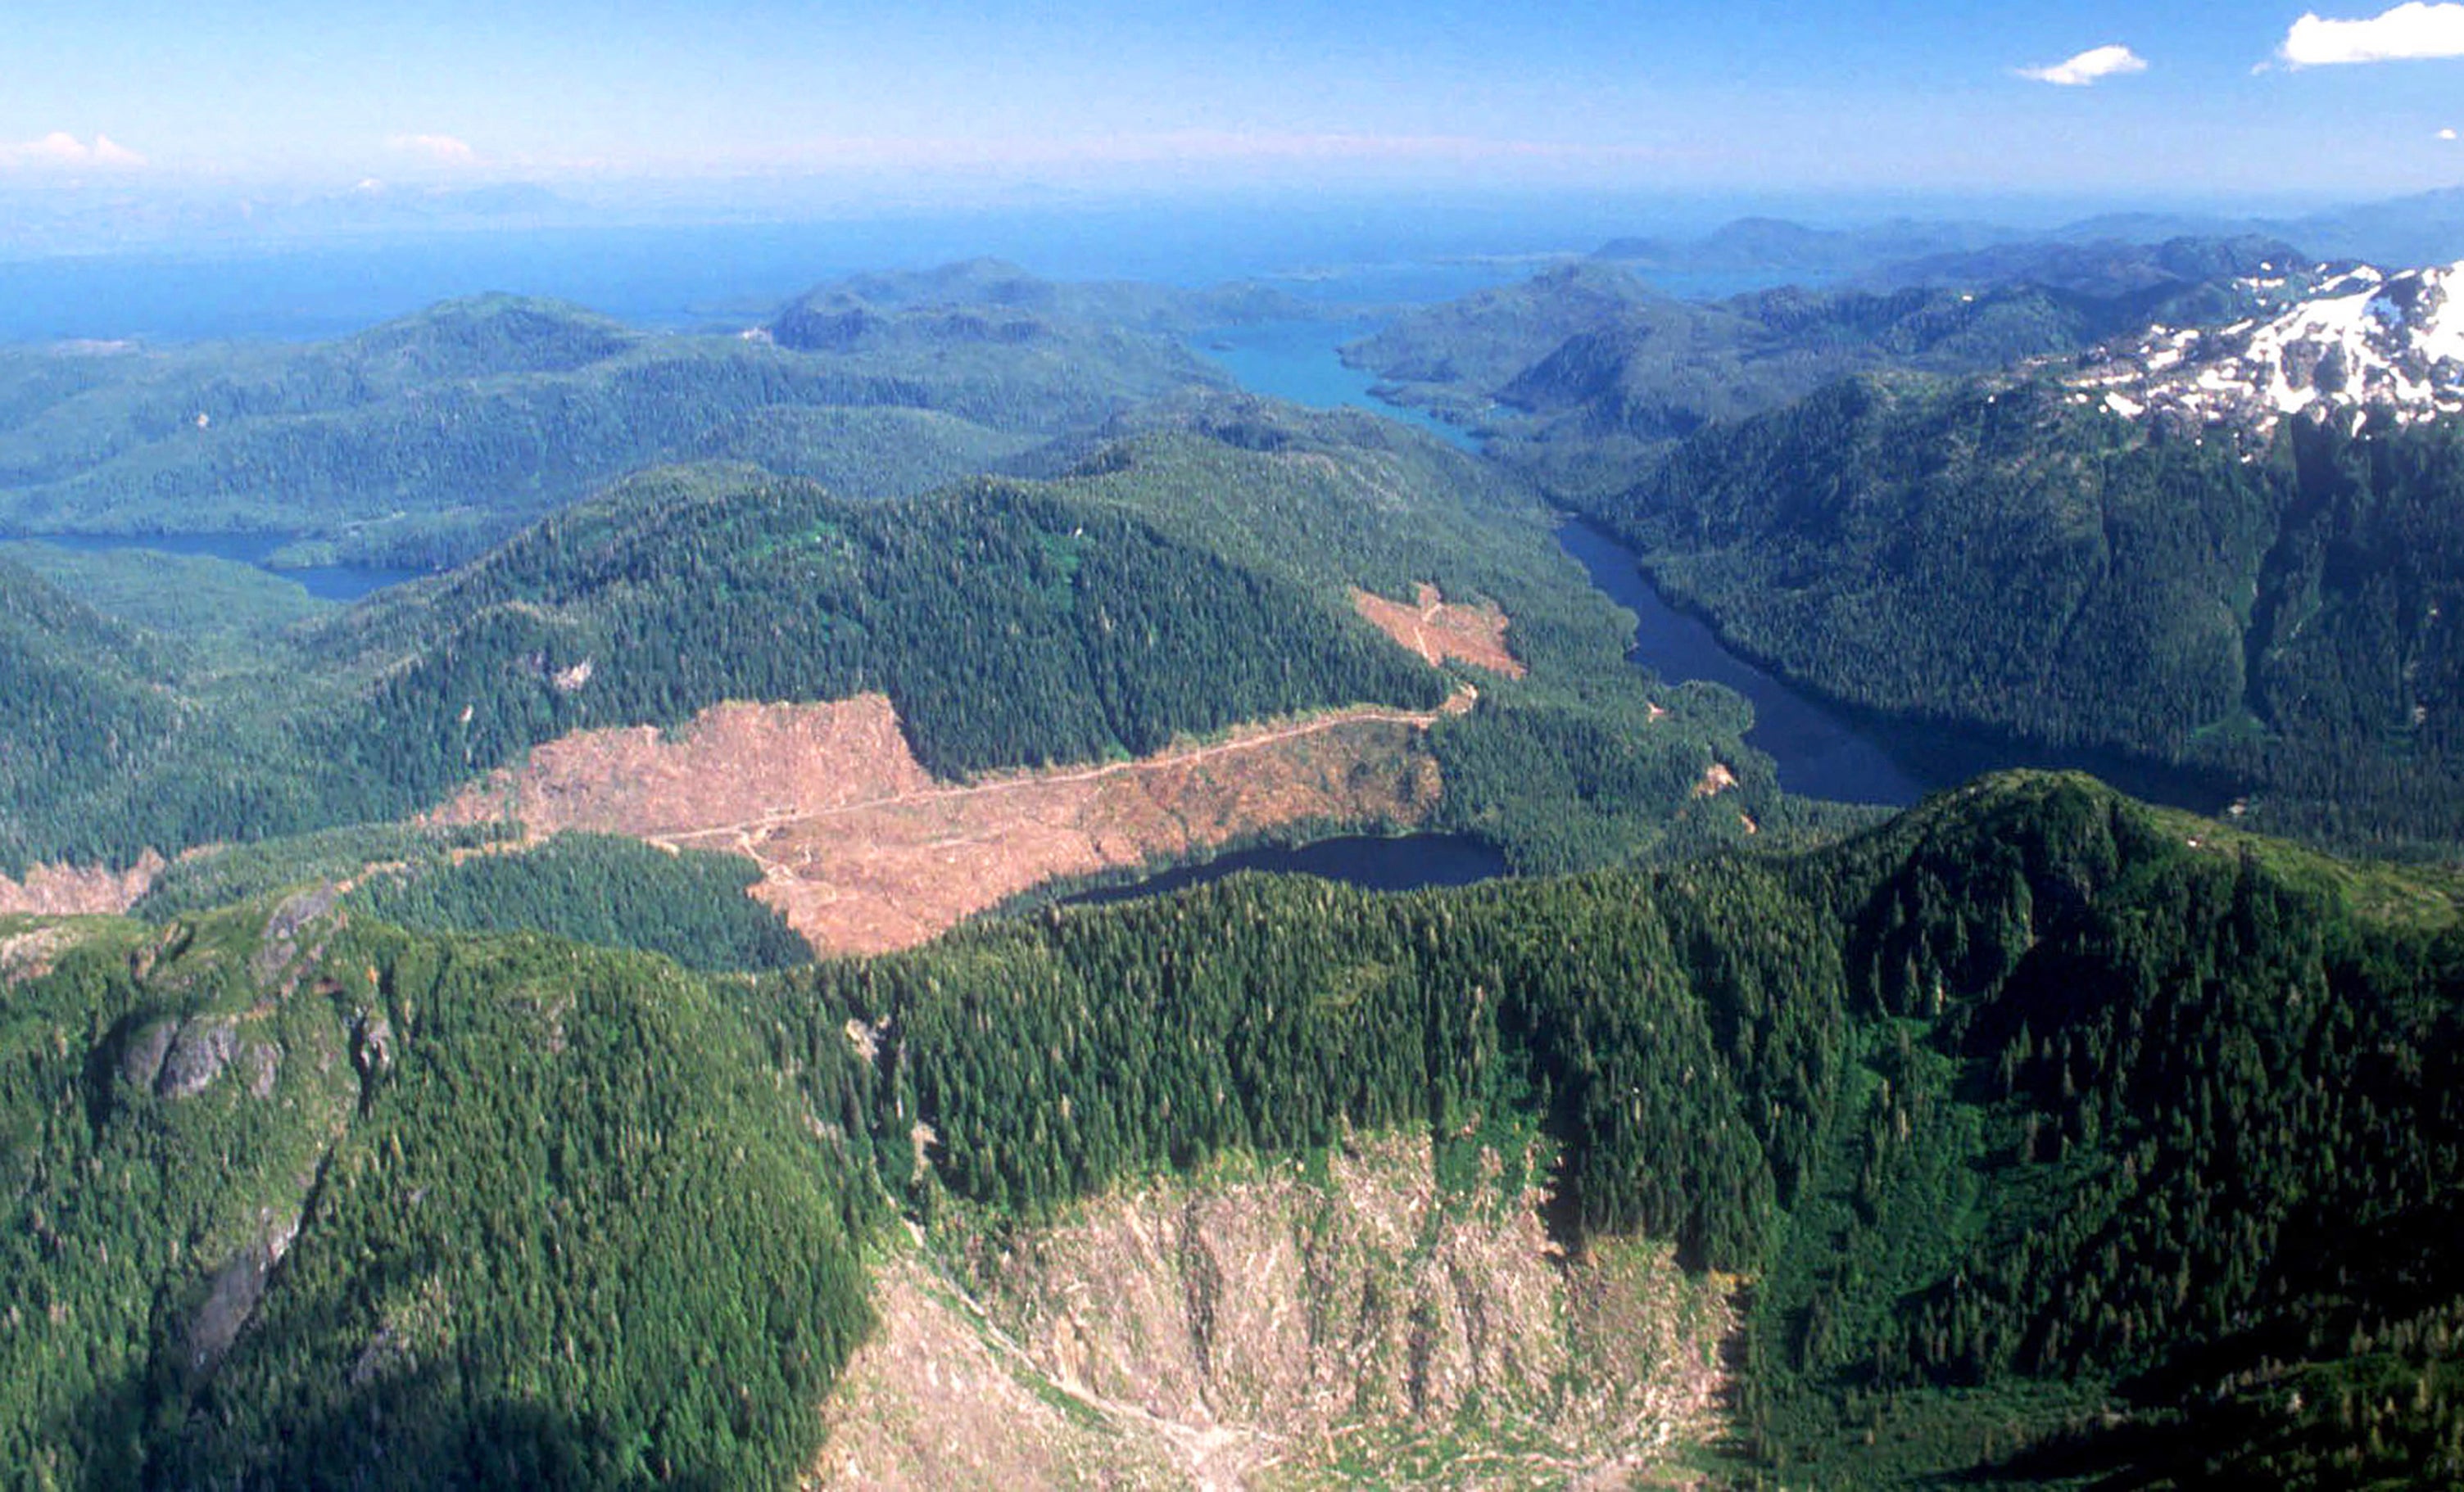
<point x="748" y="969"/>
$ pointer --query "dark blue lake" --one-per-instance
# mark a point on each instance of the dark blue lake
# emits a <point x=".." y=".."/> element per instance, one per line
<point x="1377" y="863"/>
<point x="1823" y="750"/>
<point x="325" y="582"/>
<point x="1819" y="750"/>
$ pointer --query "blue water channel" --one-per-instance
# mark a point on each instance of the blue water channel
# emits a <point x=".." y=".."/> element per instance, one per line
<point x="1821" y="749"/>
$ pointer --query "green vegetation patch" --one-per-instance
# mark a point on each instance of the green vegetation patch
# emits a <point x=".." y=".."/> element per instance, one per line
<point x="692" y="906"/>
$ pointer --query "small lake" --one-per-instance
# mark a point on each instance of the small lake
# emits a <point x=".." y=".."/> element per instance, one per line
<point x="324" y="581"/>
<point x="1375" y="863"/>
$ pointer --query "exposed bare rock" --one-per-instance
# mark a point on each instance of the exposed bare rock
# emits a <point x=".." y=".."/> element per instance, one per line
<point x="264" y="1067"/>
<point x="1266" y="1328"/>
<point x="233" y="1295"/>
<point x="198" y="1055"/>
<point x="372" y="1044"/>
<point x="142" y="1062"/>
<point x="279" y="946"/>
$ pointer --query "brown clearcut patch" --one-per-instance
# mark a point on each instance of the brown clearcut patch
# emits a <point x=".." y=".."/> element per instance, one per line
<point x="1439" y="629"/>
<point x="78" y="890"/>
<point x="863" y="851"/>
<point x="1716" y="780"/>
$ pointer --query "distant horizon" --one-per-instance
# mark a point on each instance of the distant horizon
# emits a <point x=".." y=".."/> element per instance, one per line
<point x="312" y="276"/>
<point x="46" y="220"/>
<point x="999" y="98"/>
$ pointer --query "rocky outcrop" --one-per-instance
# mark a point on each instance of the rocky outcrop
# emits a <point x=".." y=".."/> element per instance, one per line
<point x="197" y="1056"/>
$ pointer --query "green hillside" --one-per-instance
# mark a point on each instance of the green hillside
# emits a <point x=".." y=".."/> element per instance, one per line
<point x="1193" y="572"/>
<point x="295" y="1204"/>
<point x="1582" y="372"/>
<point x="424" y="439"/>
<point x="2053" y="1136"/>
<point x="1998" y="553"/>
<point x="2053" y="1141"/>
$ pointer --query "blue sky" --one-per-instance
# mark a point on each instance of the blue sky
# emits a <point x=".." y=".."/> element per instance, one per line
<point x="1917" y="95"/>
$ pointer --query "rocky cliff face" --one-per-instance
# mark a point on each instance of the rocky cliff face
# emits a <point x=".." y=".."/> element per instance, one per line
<point x="1277" y="1328"/>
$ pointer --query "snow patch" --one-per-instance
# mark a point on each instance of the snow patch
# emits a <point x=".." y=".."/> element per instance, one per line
<point x="2361" y="338"/>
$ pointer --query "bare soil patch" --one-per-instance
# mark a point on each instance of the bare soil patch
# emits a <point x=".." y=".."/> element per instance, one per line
<point x="1439" y="629"/>
<point x="78" y="890"/>
<point x="863" y="850"/>
<point x="1267" y="1330"/>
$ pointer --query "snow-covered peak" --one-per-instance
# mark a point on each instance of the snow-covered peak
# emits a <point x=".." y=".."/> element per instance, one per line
<point x="2354" y="340"/>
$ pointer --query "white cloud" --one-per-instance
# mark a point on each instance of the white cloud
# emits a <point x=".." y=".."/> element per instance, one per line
<point x="2412" y="30"/>
<point x="2107" y="61"/>
<point x="442" y="149"/>
<point x="2447" y="134"/>
<point x="61" y="150"/>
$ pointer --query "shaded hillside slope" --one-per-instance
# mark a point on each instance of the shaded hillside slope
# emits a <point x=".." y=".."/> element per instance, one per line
<point x="2001" y="553"/>
<point x="2057" y="1138"/>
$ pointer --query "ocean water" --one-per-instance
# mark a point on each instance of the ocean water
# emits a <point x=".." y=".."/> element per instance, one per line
<point x="1301" y="361"/>
<point x="727" y="275"/>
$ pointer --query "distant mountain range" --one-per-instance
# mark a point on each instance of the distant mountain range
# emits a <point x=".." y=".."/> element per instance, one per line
<point x="2423" y="229"/>
<point x="1576" y="373"/>
<point x="427" y="437"/>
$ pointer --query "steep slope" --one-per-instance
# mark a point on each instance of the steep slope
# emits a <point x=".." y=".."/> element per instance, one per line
<point x="300" y="1203"/>
<point x="85" y="699"/>
<point x="2003" y="554"/>
<point x="2055" y="1138"/>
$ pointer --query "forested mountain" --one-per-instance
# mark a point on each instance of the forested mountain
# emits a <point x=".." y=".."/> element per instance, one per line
<point x="983" y="284"/>
<point x="2060" y="1137"/>
<point x="2043" y="1122"/>
<point x="987" y="613"/>
<point x="427" y="438"/>
<point x="1578" y="374"/>
<point x="1195" y="572"/>
<point x="1784" y="250"/>
<point x="291" y="1203"/>
<point x="2001" y="553"/>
